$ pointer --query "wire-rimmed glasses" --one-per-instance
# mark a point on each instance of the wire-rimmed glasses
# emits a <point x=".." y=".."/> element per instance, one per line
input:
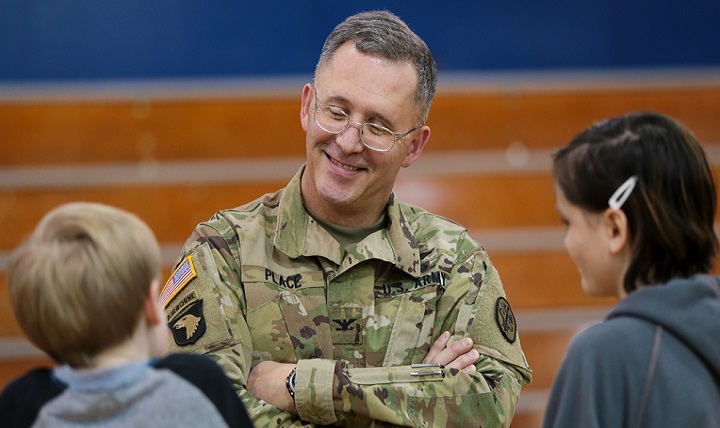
<point x="335" y="120"/>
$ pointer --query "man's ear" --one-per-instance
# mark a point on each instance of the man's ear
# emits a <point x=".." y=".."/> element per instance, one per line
<point x="421" y="137"/>
<point x="306" y="104"/>
<point x="152" y="303"/>
<point x="616" y="225"/>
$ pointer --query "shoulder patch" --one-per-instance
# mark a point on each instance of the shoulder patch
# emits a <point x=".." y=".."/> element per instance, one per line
<point x="184" y="273"/>
<point x="189" y="325"/>
<point x="505" y="319"/>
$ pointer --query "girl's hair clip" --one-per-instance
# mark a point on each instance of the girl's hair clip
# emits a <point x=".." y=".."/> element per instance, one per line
<point x="618" y="198"/>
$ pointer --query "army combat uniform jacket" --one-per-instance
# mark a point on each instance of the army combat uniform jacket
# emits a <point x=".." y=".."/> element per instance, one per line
<point x="265" y="281"/>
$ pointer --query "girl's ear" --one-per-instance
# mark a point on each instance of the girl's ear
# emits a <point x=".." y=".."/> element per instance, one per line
<point x="616" y="226"/>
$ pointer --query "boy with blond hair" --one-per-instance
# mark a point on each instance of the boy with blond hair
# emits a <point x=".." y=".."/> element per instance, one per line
<point x="85" y="289"/>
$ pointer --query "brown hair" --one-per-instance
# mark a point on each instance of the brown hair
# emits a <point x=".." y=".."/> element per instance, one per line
<point x="672" y="208"/>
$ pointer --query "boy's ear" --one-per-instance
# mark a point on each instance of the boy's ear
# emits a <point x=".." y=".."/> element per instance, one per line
<point x="153" y="314"/>
<point x="616" y="225"/>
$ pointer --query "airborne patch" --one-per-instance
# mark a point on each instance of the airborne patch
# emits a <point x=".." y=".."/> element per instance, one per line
<point x="184" y="273"/>
<point x="505" y="319"/>
<point x="190" y="325"/>
<point x="192" y="297"/>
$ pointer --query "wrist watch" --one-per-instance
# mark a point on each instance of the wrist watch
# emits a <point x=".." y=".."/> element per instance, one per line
<point x="290" y="382"/>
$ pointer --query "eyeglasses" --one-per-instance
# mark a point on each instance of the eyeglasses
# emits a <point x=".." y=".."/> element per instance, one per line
<point x="618" y="198"/>
<point x="335" y="120"/>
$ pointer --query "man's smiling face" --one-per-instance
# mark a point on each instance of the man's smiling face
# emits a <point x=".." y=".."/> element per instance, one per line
<point x="344" y="178"/>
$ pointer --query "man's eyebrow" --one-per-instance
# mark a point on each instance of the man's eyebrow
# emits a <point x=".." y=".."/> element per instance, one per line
<point x="338" y="99"/>
<point x="345" y="103"/>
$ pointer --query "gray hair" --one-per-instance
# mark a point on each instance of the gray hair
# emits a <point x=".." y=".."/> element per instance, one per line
<point x="383" y="34"/>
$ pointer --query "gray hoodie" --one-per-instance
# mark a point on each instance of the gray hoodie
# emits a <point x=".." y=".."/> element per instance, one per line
<point x="654" y="362"/>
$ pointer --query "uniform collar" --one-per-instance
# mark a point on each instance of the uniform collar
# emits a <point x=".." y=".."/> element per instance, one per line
<point x="297" y="234"/>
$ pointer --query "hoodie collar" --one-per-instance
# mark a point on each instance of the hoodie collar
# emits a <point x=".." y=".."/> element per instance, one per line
<point x="686" y="307"/>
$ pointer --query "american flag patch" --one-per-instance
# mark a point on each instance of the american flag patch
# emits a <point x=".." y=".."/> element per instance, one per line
<point x="182" y="275"/>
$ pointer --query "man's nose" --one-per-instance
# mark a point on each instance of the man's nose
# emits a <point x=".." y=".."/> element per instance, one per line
<point x="351" y="141"/>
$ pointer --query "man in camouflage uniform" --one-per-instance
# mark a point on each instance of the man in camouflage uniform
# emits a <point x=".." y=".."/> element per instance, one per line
<point x="332" y="303"/>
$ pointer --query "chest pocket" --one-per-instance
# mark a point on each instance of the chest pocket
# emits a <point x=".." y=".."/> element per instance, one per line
<point x="288" y="314"/>
<point x="412" y="311"/>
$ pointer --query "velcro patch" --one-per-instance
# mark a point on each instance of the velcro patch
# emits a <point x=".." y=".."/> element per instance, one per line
<point x="189" y="325"/>
<point x="505" y="319"/>
<point x="346" y="326"/>
<point x="184" y="273"/>
<point x="183" y="303"/>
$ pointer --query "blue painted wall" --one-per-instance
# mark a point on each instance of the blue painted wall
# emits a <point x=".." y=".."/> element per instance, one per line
<point x="99" y="39"/>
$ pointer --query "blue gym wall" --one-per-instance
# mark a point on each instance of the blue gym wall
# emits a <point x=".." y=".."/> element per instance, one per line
<point x="51" y="40"/>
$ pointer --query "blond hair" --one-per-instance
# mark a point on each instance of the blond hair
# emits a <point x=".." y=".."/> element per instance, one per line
<point x="78" y="283"/>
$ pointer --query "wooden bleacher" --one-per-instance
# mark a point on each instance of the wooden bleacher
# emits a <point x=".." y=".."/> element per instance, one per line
<point x="72" y="133"/>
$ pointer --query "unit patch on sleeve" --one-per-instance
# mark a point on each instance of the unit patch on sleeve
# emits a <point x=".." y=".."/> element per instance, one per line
<point x="184" y="273"/>
<point x="189" y="325"/>
<point x="505" y="319"/>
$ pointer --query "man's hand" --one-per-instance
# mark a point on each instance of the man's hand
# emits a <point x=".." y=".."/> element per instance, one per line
<point x="267" y="382"/>
<point x="459" y="355"/>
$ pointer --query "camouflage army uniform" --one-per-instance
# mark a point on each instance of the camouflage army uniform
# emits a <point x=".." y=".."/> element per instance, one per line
<point x="265" y="281"/>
